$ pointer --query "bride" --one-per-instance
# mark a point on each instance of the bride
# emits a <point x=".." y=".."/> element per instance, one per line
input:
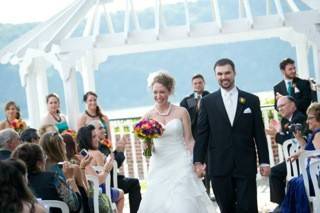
<point x="173" y="186"/>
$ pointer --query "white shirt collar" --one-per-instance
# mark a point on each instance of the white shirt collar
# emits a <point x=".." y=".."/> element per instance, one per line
<point x="287" y="80"/>
<point x="233" y="91"/>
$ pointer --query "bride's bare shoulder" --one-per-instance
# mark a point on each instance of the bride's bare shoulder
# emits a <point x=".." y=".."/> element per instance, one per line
<point x="149" y="114"/>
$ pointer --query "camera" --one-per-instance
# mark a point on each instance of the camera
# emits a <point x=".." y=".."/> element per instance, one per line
<point x="295" y="127"/>
<point x="84" y="152"/>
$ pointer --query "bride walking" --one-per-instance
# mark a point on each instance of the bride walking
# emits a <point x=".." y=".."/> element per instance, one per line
<point x="173" y="186"/>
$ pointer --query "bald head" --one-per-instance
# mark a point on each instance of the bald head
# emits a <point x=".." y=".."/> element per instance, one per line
<point x="286" y="106"/>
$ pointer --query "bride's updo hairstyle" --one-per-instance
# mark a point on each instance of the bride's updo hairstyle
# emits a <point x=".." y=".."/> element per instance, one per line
<point x="162" y="77"/>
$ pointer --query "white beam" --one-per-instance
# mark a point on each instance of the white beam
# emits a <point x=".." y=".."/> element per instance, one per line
<point x="87" y="72"/>
<point x="134" y="16"/>
<point x="293" y="6"/>
<point x="216" y="13"/>
<point x="126" y="21"/>
<point x="268" y="7"/>
<point x="40" y="68"/>
<point x="108" y="19"/>
<point x="248" y="12"/>
<point x="157" y="20"/>
<point x="302" y="58"/>
<point x="187" y="16"/>
<point x="279" y="10"/>
<point x="96" y="26"/>
<point x="316" y="63"/>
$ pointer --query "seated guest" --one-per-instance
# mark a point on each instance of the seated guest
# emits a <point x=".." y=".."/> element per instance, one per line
<point x="55" y="149"/>
<point x="47" y="128"/>
<point x="54" y="117"/>
<point x="30" y="135"/>
<point x="88" y="140"/>
<point x="92" y="112"/>
<point x="48" y="185"/>
<point x="13" y="119"/>
<point x="296" y="199"/>
<point x="14" y="191"/>
<point x="290" y="115"/>
<point x="71" y="148"/>
<point x="9" y="140"/>
<point x="127" y="184"/>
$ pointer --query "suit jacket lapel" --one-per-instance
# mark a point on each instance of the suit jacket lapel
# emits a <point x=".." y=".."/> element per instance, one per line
<point x="221" y="107"/>
<point x="284" y="90"/>
<point x="239" y="106"/>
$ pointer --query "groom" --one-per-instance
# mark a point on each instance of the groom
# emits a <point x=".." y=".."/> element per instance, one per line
<point x="230" y="130"/>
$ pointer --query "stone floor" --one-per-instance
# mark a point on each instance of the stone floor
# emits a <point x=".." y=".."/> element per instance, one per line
<point x="264" y="203"/>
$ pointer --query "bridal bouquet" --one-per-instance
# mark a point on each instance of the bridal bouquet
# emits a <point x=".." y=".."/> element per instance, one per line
<point x="148" y="129"/>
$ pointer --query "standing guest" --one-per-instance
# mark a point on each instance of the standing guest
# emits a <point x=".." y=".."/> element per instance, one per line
<point x="14" y="192"/>
<point x="127" y="184"/>
<point x="93" y="112"/>
<point x="13" y="118"/>
<point x="192" y="102"/>
<point x="230" y="130"/>
<point x="54" y="117"/>
<point x="9" y="140"/>
<point x="290" y="116"/>
<point x="30" y="135"/>
<point x="293" y="86"/>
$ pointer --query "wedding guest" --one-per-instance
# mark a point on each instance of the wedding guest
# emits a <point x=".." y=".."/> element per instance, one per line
<point x="93" y="112"/>
<point x="88" y="140"/>
<point x="9" y="140"/>
<point x="30" y="135"/>
<point x="293" y="86"/>
<point x="13" y="118"/>
<point x="14" y="192"/>
<point x="47" y="185"/>
<point x="192" y="104"/>
<point x="296" y="199"/>
<point x="290" y="116"/>
<point x="127" y="184"/>
<point x="47" y="128"/>
<point x="54" y="117"/>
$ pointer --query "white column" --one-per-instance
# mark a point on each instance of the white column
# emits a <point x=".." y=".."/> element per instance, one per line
<point x="302" y="58"/>
<point x="40" y="69"/>
<point x="316" y="63"/>
<point x="32" y="99"/>
<point x="71" y="95"/>
<point x="87" y="72"/>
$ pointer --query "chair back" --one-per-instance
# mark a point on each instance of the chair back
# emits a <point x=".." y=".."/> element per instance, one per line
<point x="290" y="147"/>
<point x="55" y="204"/>
<point x="94" y="182"/>
<point x="315" y="177"/>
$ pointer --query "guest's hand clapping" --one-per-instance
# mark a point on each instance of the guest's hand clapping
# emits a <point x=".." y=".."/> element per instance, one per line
<point x="121" y="144"/>
<point x="108" y="164"/>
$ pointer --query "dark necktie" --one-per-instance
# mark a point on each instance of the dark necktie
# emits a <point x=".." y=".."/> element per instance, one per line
<point x="290" y="88"/>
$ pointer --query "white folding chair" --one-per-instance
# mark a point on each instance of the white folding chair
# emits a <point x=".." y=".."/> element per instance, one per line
<point x="303" y="161"/>
<point x="107" y="187"/>
<point x="315" y="177"/>
<point x="55" y="204"/>
<point x="95" y="185"/>
<point x="115" y="174"/>
<point x="290" y="147"/>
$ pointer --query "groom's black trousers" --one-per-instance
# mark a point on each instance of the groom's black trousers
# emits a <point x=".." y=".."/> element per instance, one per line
<point x="235" y="194"/>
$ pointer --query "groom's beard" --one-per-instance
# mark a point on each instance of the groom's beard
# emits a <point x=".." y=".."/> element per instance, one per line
<point x="226" y="84"/>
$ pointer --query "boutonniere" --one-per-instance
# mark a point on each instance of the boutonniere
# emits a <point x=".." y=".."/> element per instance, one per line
<point x="242" y="100"/>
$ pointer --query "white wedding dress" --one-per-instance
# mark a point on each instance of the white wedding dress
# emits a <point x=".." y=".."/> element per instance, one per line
<point x="173" y="186"/>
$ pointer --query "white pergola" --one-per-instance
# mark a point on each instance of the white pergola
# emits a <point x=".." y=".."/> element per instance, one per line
<point x="51" y="44"/>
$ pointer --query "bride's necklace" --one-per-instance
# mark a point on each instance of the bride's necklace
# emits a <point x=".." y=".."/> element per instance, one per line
<point x="164" y="113"/>
<point x="91" y="116"/>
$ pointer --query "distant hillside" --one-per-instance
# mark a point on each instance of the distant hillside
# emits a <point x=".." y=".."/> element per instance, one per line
<point x="121" y="80"/>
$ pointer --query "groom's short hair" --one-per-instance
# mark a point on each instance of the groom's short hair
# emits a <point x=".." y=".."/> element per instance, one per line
<point x="223" y="62"/>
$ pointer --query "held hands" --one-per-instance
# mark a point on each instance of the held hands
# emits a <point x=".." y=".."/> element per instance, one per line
<point x="200" y="169"/>
<point x="265" y="170"/>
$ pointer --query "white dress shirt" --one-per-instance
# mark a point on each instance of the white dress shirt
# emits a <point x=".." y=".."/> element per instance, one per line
<point x="230" y="101"/>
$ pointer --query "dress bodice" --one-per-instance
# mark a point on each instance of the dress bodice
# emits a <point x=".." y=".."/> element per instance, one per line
<point x="172" y="135"/>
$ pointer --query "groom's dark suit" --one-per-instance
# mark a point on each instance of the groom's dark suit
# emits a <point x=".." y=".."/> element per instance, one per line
<point x="232" y="149"/>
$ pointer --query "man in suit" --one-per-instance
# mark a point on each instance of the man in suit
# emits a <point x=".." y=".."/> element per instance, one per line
<point x="127" y="184"/>
<point x="290" y="115"/>
<point x="292" y="85"/>
<point x="9" y="140"/>
<point x="192" y="102"/>
<point x="230" y="130"/>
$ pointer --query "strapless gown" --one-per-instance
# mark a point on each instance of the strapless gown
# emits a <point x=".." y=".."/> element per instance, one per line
<point x="173" y="186"/>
